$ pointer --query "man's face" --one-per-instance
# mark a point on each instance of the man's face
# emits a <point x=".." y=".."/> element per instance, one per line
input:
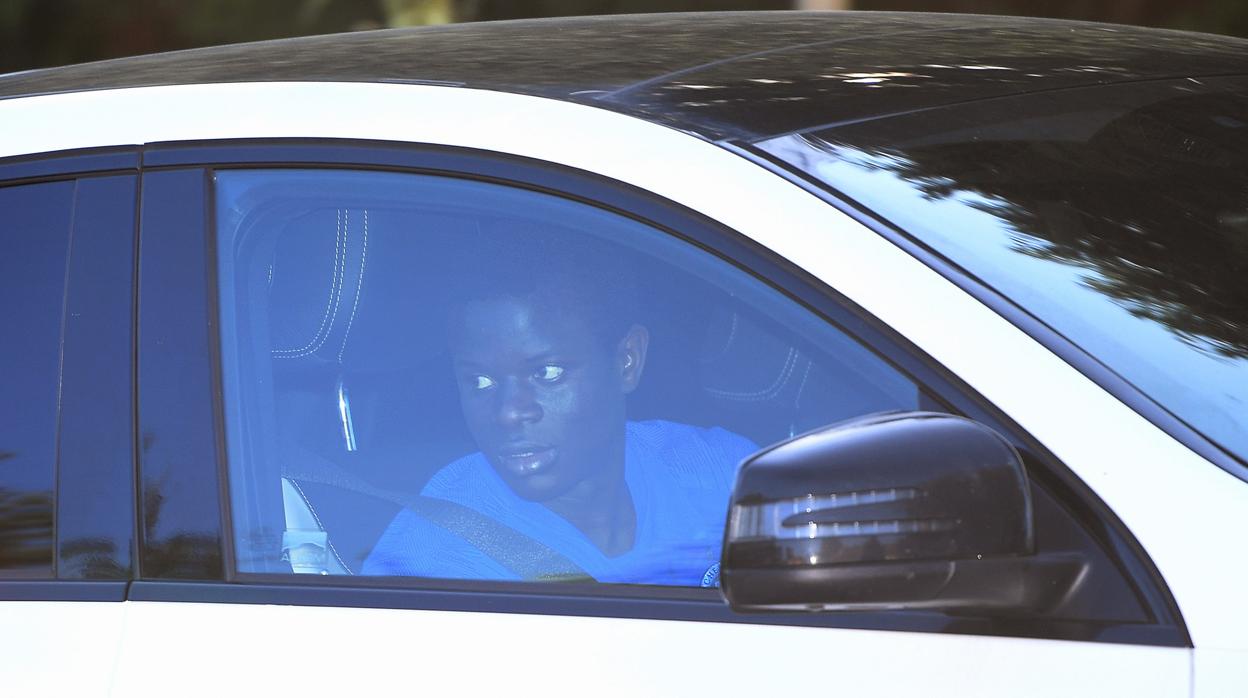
<point x="542" y="395"/>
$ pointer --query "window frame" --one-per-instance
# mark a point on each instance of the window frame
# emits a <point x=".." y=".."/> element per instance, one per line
<point x="195" y="161"/>
<point x="99" y="282"/>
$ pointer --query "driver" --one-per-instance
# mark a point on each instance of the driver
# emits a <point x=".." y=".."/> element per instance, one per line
<point x="545" y="349"/>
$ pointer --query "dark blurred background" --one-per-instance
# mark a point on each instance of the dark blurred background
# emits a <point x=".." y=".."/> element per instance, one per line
<point x="41" y="33"/>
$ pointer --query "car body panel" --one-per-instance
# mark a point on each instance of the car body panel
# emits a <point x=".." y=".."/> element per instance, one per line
<point x="1219" y="673"/>
<point x="743" y="76"/>
<point x="331" y="651"/>
<point x="63" y="648"/>
<point x="965" y="336"/>
<point x="1134" y="467"/>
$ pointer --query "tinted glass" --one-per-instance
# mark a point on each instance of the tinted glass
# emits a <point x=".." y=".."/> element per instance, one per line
<point x="179" y="505"/>
<point x="95" y="464"/>
<point x="1117" y="215"/>
<point x="35" y="237"/>
<point x="448" y="378"/>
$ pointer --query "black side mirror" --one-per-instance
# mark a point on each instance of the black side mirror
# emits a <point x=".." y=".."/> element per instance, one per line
<point x="901" y="510"/>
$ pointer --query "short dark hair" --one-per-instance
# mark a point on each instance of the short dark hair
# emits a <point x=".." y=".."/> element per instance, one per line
<point x="587" y="275"/>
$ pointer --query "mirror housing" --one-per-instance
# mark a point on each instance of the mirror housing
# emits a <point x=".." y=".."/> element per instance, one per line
<point x="900" y="510"/>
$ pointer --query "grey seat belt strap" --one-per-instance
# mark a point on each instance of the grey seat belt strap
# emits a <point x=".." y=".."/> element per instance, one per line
<point x="522" y="555"/>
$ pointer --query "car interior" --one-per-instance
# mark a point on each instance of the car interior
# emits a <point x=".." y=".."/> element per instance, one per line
<point x="342" y="322"/>
<point x="340" y="399"/>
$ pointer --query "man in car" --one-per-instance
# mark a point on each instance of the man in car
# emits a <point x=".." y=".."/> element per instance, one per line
<point x="546" y="348"/>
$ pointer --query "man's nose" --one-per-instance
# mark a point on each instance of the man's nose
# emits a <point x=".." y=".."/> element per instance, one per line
<point x="518" y="403"/>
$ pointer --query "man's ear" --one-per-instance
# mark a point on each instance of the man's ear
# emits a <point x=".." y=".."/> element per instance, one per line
<point x="631" y="357"/>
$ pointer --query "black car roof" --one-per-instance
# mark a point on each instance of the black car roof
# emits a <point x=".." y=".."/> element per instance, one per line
<point x="738" y="76"/>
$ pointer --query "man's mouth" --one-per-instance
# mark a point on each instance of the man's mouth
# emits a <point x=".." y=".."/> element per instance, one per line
<point x="527" y="460"/>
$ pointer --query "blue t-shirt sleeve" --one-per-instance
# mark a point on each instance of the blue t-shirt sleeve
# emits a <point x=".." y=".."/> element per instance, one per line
<point x="682" y="476"/>
<point x="412" y="546"/>
<point x="735" y="448"/>
<point x="681" y="482"/>
<point x="700" y="460"/>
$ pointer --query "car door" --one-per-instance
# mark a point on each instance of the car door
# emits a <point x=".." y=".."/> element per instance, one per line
<point x="66" y="466"/>
<point x="297" y="390"/>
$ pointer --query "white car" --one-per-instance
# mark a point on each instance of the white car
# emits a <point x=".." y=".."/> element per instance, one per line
<point x="740" y="354"/>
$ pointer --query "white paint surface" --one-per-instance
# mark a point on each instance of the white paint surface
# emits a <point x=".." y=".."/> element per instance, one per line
<point x="369" y="652"/>
<point x="1187" y="513"/>
<point x="59" y="648"/>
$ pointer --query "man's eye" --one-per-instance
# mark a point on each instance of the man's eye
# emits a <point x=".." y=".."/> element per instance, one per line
<point x="481" y="382"/>
<point x="549" y="373"/>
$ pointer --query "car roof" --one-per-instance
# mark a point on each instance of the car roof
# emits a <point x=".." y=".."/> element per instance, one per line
<point x="739" y="76"/>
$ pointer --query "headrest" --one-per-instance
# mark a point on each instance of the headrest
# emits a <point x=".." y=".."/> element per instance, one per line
<point x="362" y="288"/>
<point x="742" y="362"/>
<point x="316" y="279"/>
<point x="764" y="385"/>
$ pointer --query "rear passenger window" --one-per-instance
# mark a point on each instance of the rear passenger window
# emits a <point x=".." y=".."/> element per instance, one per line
<point x="441" y="378"/>
<point x="34" y="235"/>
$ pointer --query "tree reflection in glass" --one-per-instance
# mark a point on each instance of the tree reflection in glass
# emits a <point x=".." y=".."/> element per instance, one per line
<point x="1079" y="206"/>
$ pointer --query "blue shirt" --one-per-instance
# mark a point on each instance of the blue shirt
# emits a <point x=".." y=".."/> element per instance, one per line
<point x="679" y="476"/>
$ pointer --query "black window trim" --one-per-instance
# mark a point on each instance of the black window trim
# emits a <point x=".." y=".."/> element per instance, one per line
<point x="63" y="590"/>
<point x="715" y="239"/>
<point x="96" y="425"/>
<point x="36" y="168"/>
<point x="177" y="404"/>
<point x="24" y="169"/>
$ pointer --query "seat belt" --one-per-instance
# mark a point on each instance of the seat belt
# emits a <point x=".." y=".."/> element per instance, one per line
<point x="520" y="554"/>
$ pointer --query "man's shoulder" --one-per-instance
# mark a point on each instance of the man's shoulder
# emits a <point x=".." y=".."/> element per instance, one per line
<point x="468" y="473"/>
<point x="659" y="433"/>
<point x="415" y="545"/>
<point x="685" y="448"/>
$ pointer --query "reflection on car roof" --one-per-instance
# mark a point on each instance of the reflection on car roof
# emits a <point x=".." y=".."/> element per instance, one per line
<point x="739" y="76"/>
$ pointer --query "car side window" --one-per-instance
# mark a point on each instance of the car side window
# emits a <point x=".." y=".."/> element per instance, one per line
<point x="435" y="377"/>
<point x="35" y="235"/>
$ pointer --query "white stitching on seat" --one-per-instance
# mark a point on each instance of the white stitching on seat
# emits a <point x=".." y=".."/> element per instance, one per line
<point x="335" y="294"/>
<point x="797" y="399"/>
<point x="766" y="393"/>
<point x="732" y="334"/>
<point x="359" y="285"/>
<point x="339" y="261"/>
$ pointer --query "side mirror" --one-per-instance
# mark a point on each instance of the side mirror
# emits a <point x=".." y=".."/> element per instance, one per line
<point x="902" y="510"/>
